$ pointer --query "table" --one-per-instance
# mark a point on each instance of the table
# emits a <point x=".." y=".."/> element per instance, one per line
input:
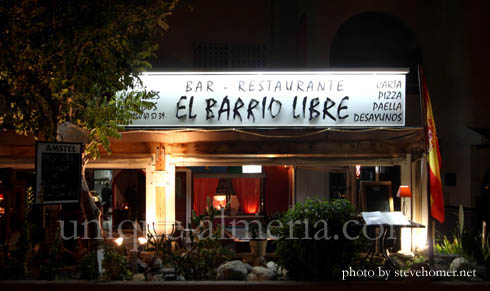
<point x="388" y="228"/>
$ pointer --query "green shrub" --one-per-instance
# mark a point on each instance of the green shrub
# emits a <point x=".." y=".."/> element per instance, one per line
<point x="200" y="259"/>
<point x="321" y="257"/>
<point x="89" y="267"/>
<point x="115" y="265"/>
<point x="446" y="247"/>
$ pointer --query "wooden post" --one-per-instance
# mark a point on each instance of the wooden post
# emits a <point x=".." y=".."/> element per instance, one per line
<point x="159" y="158"/>
<point x="483" y="233"/>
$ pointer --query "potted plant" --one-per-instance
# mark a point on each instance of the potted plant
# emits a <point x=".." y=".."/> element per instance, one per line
<point x="258" y="242"/>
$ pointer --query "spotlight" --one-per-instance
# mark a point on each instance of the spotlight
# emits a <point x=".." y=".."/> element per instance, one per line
<point x="142" y="240"/>
<point x="119" y="241"/>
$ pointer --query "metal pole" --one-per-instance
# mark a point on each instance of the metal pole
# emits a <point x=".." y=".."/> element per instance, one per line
<point x="430" y="224"/>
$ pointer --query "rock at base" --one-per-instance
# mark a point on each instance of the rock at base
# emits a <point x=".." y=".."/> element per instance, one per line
<point x="138" y="277"/>
<point x="233" y="270"/>
<point x="461" y="263"/>
<point x="261" y="274"/>
<point x="249" y="267"/>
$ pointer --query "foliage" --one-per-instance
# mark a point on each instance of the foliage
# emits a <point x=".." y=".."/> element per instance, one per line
<point x="77" y="61"/>
<point x="115" y="265"/>
<point x="205" y="253"/>
<point x="316" y="254"/>
<point x="417" y="259"/>
<point x="257" y="229"/>
<point x="199" y="259"/>
<point x="52" y="266"/>
<point x="88" y="267"/>
<point x="447" y="247"/>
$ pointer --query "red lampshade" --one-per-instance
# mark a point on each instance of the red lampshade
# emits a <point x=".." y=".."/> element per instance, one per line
<point x="1" y="197"/>
<point x="219" y="201"/>
<point x="404" y="191"/>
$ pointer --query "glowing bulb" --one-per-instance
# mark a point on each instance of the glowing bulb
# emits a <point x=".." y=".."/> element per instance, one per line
<point x="142" y="240"/>
<point x="119" y="241"/>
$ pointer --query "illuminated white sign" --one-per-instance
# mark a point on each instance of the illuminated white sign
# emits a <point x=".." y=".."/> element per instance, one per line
<point x="251" y="169"/>
<point x="275" y="99"/>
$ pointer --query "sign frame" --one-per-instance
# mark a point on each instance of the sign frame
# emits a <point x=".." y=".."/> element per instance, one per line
<point x="385" y="190"/>
<point x="75" y="151"/>
<point x="183" y="95"/>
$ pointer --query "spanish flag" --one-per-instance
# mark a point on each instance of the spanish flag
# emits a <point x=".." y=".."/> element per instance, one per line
<point x="436" y="198"/>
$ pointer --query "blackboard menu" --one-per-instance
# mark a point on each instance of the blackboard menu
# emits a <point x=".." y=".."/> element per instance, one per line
<point x="58" y="172"/>
<point x="377" y="196"/>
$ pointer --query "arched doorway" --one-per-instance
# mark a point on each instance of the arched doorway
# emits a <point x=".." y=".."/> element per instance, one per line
<point x="376" y="40"/>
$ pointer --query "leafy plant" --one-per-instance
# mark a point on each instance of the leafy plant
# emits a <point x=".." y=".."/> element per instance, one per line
<point x="447" y="247"/>
<point x="311" y="244"/>
<point x="417" y="259"/>
<point x="89" y="267"/>
<point x="454" y="247"/>
<point x="115" y="265"/>
<point x="77" y="64"/>
<point x="199" y="260"/>
<point x="74" y="62"/>
<point x="52" y="265"/>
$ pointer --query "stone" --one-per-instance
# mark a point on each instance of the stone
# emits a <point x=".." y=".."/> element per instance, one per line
<point x="180" y="278"/>
<point x="232" y="270"/>
<point x="157" y="277"/>
<point x="166" y="270"/>
<point x="169" y="277"/>
<point x="444" y="259"/>
<point x="272" y="266"/>
<point x="284" y="273"/>
<point x="261" y="274"/>
<point x="138" y="277"/>
<point x="460" y="264"/>
<point x="249" y="268"/>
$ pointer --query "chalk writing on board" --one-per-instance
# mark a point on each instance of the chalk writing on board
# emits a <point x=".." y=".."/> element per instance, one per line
<point x="58" y="172"/>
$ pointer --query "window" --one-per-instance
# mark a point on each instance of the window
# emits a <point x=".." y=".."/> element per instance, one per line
<point x="120" y="194"/>
<point x="224" y="55"/>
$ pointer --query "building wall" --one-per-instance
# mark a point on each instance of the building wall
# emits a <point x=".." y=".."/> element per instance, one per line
<point x="299" y="34"/>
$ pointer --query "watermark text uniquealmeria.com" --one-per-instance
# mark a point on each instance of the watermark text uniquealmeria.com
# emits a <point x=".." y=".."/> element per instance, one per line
<point x="300" y="229"/>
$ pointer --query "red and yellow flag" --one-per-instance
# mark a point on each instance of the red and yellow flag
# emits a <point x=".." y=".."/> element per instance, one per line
<point x="436" y="198"/>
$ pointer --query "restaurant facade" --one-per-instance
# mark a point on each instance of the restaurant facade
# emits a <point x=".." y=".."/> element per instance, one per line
<point x="256" y="143"/>
<point x="321" y="97"/>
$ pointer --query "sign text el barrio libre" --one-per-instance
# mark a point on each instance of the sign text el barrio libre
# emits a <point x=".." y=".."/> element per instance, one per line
<point x="275" y="99"/>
